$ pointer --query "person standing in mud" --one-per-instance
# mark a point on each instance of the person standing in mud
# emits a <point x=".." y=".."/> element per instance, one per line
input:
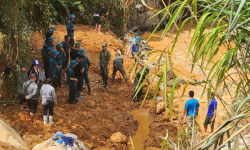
<point x="79" y="73"/>
<point x="21" y="78"/>
<point x="31" y="92"/>
<point x="49" y="99"/>
<point x="65" y="46"/>
<point x="59" y="63"/>
<point x="86" y="64"/>
<point x="104" y="64"/>
<point x="46" y="52"/>
<point x="134" y="48"/>
<point x="211" y="113"/>
<point x="71" y="29"/>
<point x="53" y="68"/>
<point x="34" y="69"/>
<point x="191" y="109"/>
<point x="97" y="17"/>
<point x="74" y="52"/>
<point x="118" y="65"/>
<point x="137" y="90"/>
<point x="71" y="80"/>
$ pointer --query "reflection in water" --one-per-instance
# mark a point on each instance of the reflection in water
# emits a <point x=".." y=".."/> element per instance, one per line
<point x="142" y="116"/>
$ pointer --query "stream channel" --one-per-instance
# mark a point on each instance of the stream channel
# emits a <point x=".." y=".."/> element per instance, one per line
<point x="142" y="116"/>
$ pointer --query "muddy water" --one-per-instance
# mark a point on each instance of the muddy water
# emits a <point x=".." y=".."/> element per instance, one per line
<point x="142" y="116"/>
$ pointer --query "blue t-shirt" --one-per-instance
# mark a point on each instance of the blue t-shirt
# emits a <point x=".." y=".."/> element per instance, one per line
<point x="211" y="107"/>
<point x="135" y="47"/>
<point x="191" y="106"/>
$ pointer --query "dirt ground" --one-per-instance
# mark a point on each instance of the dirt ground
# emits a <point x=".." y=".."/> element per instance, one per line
<point x="93" y="119"/>
<point x="96" y="117"/>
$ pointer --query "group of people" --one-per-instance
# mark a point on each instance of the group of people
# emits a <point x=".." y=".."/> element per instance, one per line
<point x="27" y="83"/>
<point x="68" y="60"/>
<point x="191" y="111"/>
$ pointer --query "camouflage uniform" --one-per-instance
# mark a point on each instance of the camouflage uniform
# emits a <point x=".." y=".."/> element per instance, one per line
<point x="105" y="56"/>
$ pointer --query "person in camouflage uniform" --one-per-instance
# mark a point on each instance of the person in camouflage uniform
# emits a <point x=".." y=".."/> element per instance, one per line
<point x="104" y="63"/>
<point x="137" y="91"/>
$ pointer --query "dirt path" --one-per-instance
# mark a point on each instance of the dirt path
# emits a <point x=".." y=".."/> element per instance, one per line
<point x="93" y="119"/>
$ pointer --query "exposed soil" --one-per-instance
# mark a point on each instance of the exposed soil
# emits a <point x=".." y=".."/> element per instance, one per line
<point x="93" y="119"/>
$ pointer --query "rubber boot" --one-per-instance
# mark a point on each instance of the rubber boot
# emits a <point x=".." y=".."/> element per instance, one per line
<point x="89" y="89"/>
<point x="106" y="85"/>
<point x="45" y="120"/>
<point x="78" y="94"/>
<point x="51" y="120"/>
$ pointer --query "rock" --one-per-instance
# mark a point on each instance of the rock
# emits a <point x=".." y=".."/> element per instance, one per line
<point x="171" y="82"/>
<point x="134" y="29"/>
<point x="139" y="32"/>
<point x="181" y="81"/>
<point x="144" y="42"/>
<point x="170" y="74"/>
<point x="162" y="60"/>
<point x="130" y="31"/>
<point x="118" y="138"/>
<point x="160" y="107"/>
<point x="10" y="137"/>
<point x="53" y="145"/>
<point x="159" y="98"/>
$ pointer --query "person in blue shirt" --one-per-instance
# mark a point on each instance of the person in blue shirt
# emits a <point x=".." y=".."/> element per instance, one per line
<point x="135" y="48"/>
<point x="79" y="74"/>
<point x="71" y="29"/>
<point x="49" y="33"/>
<point x="71" y="81"/>
<point x="46" y="52"/>
<point x="191" y="109"/>
<point x="52" y="67"/>
<point x="59" y="63"/>
<point x="211" y="113"/>
<point x="86" y="64"/>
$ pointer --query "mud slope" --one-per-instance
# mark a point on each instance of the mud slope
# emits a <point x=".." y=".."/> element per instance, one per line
<point x="95" y="118"/>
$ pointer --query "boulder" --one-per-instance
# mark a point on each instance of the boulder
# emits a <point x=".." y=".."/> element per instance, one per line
<point x="160" y="107"/>
<point x="10" y="137"/>
<point x="171" y="74"/>
<point x="144" y="42"/>
<point x="162" y="60"/>
<point x="135" y="28"/>
<point x="118" y="137"/>
<point x="139" y="32"/>
<point x="53" y="145"/>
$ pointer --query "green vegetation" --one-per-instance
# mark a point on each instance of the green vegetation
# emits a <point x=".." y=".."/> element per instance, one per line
<point x="21" y="17"/>
<point x="222" y="23"/>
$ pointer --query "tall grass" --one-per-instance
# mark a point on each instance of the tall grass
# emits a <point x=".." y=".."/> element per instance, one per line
<point x="222" y="23"/>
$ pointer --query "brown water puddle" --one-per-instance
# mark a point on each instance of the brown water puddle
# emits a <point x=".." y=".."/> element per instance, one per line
<point x="142" y="116"/>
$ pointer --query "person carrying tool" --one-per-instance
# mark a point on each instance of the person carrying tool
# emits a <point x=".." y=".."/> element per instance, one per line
<point x="71" y="81"/>
<point x="59" y="63"/>
<point x="71" y="29"/>
<point x="137" y="83"/>
<point x="135" y="47"/>
<point x="118" y="65"/>
<point x="104" y="65"/>
<point x="97" y="17"/>
<point x="52" y="68"/>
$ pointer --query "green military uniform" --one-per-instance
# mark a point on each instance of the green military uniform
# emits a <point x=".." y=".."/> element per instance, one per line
<point x="105" y="56"/>
<point x="137" y="84"/>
